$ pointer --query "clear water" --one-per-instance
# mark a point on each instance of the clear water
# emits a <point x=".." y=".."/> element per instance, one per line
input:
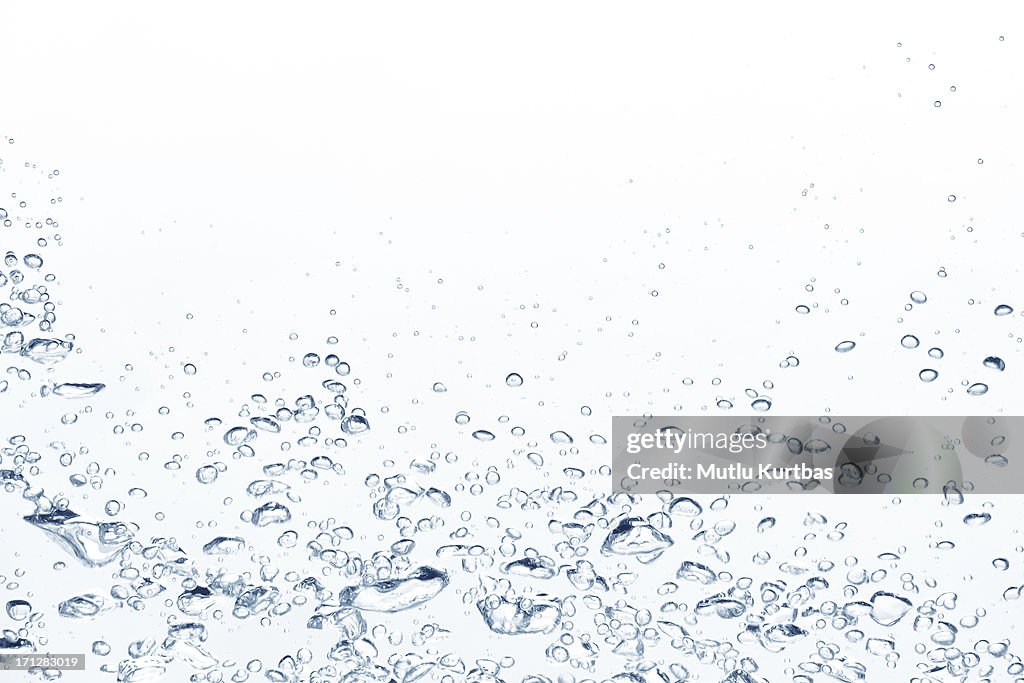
<point x="284" y="534"/>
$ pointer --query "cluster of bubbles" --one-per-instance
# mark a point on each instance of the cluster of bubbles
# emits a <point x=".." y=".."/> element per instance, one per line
<point x="439" y="568"/>
<point x="911" y="342"/>
<point x="495" y="555"/>
<point x="28" y="311"/>
<point x="929" y="374"/>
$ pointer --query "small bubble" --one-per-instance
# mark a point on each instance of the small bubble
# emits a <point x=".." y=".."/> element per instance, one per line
<point x="910" y="342"/>
<point x="997" y="460"/>
<point x="928" y="375"/>
<point x="918" y="297"/>
<point x="935" y="352"/>
<point x="1003" y="309"/>
<point x="994" y="363"/>
<point x="951" y="198"/>
<point x="514" y="379"/>
<point x="845" y="346"/>
<point x="19" y="610"/>
<point x="189" y="369"/>
<point x="977" y="389"/>
<point x="560" y="437"/>
<point x="207" y="474"/>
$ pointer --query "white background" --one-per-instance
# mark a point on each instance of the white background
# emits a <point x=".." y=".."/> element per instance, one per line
<point x="221" y="159"/>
